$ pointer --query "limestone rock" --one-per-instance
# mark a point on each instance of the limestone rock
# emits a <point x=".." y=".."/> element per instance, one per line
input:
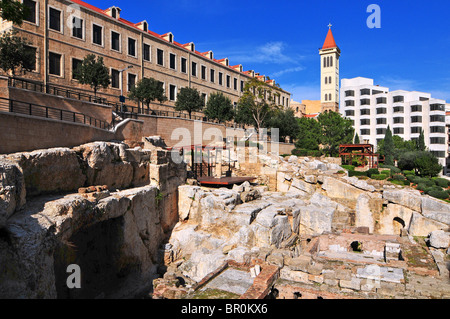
<point x="436" y="209"/>
<point x="422" y="226"/>
<point x="315" y="220"/>
<point x="12" y="190"/>
<point x="409" y="198"/>
<point x="439" y="239"/>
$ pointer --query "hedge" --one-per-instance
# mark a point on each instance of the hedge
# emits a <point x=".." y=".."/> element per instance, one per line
<point x="385" y="172"/>
<point x="379" y="177"/>
<point x="399" y="177"/>
<point x="439" y="194"/>
<point x="356" y="173"/>
<point x="348" y="167"/>
<point x="409" y="172"/>
<point x="372" y="171"/>
<point x="442" y="182"/>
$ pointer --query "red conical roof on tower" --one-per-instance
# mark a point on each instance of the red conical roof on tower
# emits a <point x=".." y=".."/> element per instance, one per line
<point x="329" y="41"/>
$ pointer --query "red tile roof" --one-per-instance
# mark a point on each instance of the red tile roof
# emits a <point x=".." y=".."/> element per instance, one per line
<point x="329" y="41"/>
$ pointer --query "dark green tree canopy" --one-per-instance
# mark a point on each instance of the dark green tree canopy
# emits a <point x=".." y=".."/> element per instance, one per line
<point x="15" y="53"/>
<point x="309" y="134"/>
<point x="400" y="146"/>
<point x="421" y="143"/>
<point x="336" y="130"/>
<point x="219" y="107"/>
<point x="426" y="164"/>
<point x="190" y="100"/>
<point x="389" y="147"/>
<point x="13" y="10"/>
<point x="148" y="90"/>
<point x="284" y="120"/>
<point x="93" y="72"/>
<point x="357" y="141"/>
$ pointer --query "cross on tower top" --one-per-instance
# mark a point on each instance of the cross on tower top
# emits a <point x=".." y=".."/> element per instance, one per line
<point x="329" y="26"/>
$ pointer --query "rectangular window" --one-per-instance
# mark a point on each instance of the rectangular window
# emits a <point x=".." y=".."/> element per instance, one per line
<point x="160" y="57"/>
<point x="172" y="61"/>
<point x="437" y="118"/>
<point x="205" y="99"/>
<point x="381" y="100"/>
<point x="242" y="90"/>
<point x="146" y="52"/>
<point x="115" y="41"/>
<point x="212" y="75"/>
<point x="172" y="92"/>
<point x="235" y="84"/>
<point x="416" y="129"/>
<point x="365" y="132"/>
<point x="132" y="47"/>
<point x="381" y="131"/>
<point x="416" y="108"/>
<point x="416" y="119"/>
<point x="399" y="109"/>
<point x="31" y="65"/>
<point x="365" y="122"/>
<point x="399" y="120"/>
<point x="220" y="78"/>
<point x="365" y="92"/>
<point x="437" y="129"/>
<point x="350" y="103"/>
<point x="350" y="113"/>
<point x="32" y="9"/>
<point x="54" y="63"/>
<point x="399" y="130"/>
<point x="183" y="65"/>
<point x="203" y="72"/>
<point x="115" y="79"/>
<point x="75" y="64"/>
<point x="381" y="121"/>
<point x="381" y="110"/>
<point x="437" y="140"/>
<point x="77" y="28"/>
<point x="398" y="99"/>
<point x="349" y="93"/>
<point x="365" y="112"/>
<point x="194" y="69"/>
<point x="365" y="102"/>
<point x="131" y="81"/>
<point x="55" y="19"/>
<point x="437" y="107"/>
<point x="228" y="81"/>
<point x="97" y="34"/>
<point x="439" y="154"/>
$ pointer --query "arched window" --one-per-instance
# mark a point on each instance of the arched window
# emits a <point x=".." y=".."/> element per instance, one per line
<point x="326" y="97"/>
<point x="328" y="61"/>
<point x="324" y="62"/>
<point x="329" y="80"/>
<point x="329" y="97"/>
<point x="326" y="80"/>
<point x="331" y="60"/>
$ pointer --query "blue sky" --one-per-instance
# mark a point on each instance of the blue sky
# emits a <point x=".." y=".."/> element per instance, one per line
<point x="281" y="38"/>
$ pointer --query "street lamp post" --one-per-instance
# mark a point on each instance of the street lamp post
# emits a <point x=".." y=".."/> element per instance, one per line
<point x="122" y="98"/>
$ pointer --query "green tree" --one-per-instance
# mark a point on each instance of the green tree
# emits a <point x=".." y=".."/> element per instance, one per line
<point x="389" y="149"/>
<point x="285" y="121"/>
<point x="258" y="100"/>
<point x="93" y="72"/>
<point x="14" y="11"/>
<point x="243" y="113"/>
<point x="190" y="100"/>
<point x="148" y="90"/>
<point x="336" y="130"/>
<point x="15" y="53"/>
<point x="421" y="143"/>
<point x="219" y="107"/>
<point x="309" y="134"/>
<point x="427" y="164"/>
<point x="357" y="141"/>
<point x="400" y="146"/>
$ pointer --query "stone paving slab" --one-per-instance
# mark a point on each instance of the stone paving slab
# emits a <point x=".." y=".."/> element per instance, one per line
<point x="232" y="280"/>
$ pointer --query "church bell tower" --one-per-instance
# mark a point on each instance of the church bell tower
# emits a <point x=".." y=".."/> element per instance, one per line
<point x="329" y="74"/>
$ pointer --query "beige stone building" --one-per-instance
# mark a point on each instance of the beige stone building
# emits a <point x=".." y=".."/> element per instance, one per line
<point x="64" y="32"/>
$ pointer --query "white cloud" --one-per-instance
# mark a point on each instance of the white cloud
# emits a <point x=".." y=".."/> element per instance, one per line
<point x="271" y="52"/>
<point x="289" y="70"/>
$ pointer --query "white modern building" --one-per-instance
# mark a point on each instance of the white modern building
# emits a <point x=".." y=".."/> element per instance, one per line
<point x="373" y="108"/>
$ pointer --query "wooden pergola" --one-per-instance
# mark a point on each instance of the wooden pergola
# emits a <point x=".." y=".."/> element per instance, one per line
<point x="348" y="151"/>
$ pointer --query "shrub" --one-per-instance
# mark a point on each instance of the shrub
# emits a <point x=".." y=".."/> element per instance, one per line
<point x="356" y="173"/>
<point x="372" y="171"/>
<point x="385" y="172"/>
<point x="411" y="178"/>
<point x="439" y="194"/>
<point x="434" y="188"/>
<point x="299" y="152"/>
<point x="348" y="167"/>
<point x="379" y="177"/>
<point x="428" y="182"/>
<point x="406" y="172"/>
<point x="442" y="182"/>
<point x="314" y="153"/>
<point x="341" y="172"/>
<point x="421" y="186"/>
<point x="399" y="177"/>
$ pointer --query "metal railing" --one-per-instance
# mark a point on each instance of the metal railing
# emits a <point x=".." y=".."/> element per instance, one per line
<point x="19" y="107"/>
